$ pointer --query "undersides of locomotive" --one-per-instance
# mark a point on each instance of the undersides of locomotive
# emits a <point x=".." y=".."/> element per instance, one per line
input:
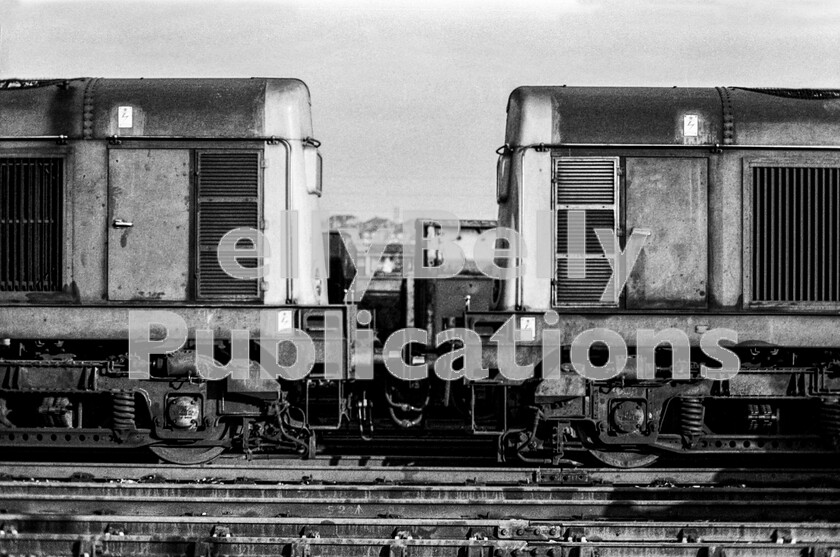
<point x="75" y="396"/>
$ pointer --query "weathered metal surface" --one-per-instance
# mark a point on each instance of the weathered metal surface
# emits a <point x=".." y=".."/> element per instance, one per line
<point x="298" y="546"/>
<point x="149" y="228"/>
<point x="645" y="122"/>
<point x="179" y="107"/>
<point x="525" y="502"/>
<point x="805" y="330"/>
<point x="365" y="470"/>
<point x="765" y="118"/>
<point x="425" y="528"/>
<point x="78" y="119"/>
<point x="612" y="115"/>
<point x="726" y="221"/>
<point x="85" y="272"/>
<point x="160" y="107"/>
<point x="247" y="534"/>
<point x="81" y="439"/>
<point x="640" y="115"/>
<point x="51" y="110"/>
<point x="111" y="322"/>
<point x="668" y="196"/>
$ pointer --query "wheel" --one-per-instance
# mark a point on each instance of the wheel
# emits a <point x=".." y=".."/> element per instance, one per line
<point x="624" y="459"/>
<point x="187" y="455"/>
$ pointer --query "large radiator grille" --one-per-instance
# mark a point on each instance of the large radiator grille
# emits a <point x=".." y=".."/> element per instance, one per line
<point x="228" y="198"/>
<point x="796" y="234"/>
<point x="30" y="224"/>
<point x="585" y="199"/>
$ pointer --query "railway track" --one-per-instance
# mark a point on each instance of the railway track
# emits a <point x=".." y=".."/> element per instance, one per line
<point x="367" y="471"/>
<point x="202" y="536"/>
<point x="417" y="501"/>
<point x="316" y="508"/>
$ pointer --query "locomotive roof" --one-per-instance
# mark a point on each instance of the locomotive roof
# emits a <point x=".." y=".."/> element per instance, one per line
<point x="646" y="115"/>
<point x="87" y="107"/>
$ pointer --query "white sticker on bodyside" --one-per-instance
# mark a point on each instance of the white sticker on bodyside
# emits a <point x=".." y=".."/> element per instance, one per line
<point x="690" y="124"/>
<point x="125" y="117"/>
<point x="285" y="320"/>
<point x="527" y="329"/>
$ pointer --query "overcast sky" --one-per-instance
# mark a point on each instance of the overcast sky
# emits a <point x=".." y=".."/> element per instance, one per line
<point x="409" y="97"/>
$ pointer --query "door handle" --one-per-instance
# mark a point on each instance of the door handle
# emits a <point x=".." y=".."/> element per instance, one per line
<point x="119" y="223"/>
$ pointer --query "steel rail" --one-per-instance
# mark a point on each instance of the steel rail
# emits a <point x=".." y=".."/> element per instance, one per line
<point x="350" y="547"/>
<point x="365" y="470"/>
<point x="97" y="535"/>
<point x="663" y="531"/>
<point x="451" y="502"/>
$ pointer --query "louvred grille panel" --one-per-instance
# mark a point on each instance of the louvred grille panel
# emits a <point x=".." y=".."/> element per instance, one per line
<point x="579" y="181"/>
<point x="220" y="217"/>
<point x="594" y="219"/>
<point x="592" y="287"/>
<point x="229" y="174"/>
<point x="228" y="198"/>
<point x="216" y="283"/>
<point x="585" y="199"/>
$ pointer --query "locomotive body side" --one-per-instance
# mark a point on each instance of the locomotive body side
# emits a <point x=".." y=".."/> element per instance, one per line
<point x="734" y="195"/>
<point x="132" y="198"/>
<point x="117" y="194"/>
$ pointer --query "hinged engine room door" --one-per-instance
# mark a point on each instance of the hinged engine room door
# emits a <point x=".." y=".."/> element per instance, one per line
<point x="149" y="224"/>
<point x="669" y="197"/>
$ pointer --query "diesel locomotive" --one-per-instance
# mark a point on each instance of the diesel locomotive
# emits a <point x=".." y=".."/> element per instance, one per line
<point x="647" y="238"/>
<point x="735" y="194"/>
<point x="115" y="196"/>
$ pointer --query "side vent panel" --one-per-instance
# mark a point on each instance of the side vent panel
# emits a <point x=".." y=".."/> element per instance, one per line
<point x="795" y="234"/>
<point x="585" y="199"/>
<point x="31" y="208"/>
<point x="228" y="198"/>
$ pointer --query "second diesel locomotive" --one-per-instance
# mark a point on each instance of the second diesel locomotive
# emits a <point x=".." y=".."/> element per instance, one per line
<point x="737" y="193"/>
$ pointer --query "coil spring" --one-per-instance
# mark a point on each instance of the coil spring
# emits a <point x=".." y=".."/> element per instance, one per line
<point x="123" y="415"/>
<point x="830" y="416"/>
<point x="691" y="416"/>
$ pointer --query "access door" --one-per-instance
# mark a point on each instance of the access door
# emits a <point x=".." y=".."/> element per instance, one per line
<point x="149" y="224"/>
